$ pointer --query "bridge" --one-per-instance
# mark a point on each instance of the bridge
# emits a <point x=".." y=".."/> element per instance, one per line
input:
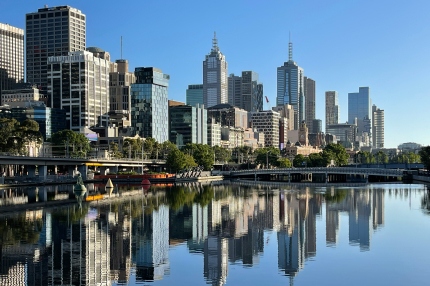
<point x="328" y="173"/>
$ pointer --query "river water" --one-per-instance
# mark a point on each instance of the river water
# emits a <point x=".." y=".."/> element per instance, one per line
<point x="224" y="234"/>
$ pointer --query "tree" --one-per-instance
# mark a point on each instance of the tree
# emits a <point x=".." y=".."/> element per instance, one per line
<point x="425" y="157"/>
<point x="70" y="143"/>
<point x="267" y="155"/>
<point x="165" y="148"/>
<point x="381" y="157"/>
<point x="132" y="148"/>
<point x="221" y="154"/>
<point x="316" y="160"/>
<point x="203" y="154"/>
<point x="114" y="150"/>
<point x="284" y="163"/>
<point x="300" y="161"/>
<point x="177" y="161"/>
<point x="335" y="152"/>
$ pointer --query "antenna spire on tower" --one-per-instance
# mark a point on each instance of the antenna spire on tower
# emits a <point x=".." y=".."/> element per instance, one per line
<point x="121" y="47"/>
<point x="290" y="49"/>
<point x="215" y="43"/>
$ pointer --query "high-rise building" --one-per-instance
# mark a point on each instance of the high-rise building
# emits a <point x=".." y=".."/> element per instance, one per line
<point x="120" y="81"/>
<point x="286" y="111"/>
<point x="290" y="88"/>
<point x="360" y="108"/>
<point x="149" y="111"/>
<point x="187" y="124"/>
<point x="309" y="85"/>
<point x="234" y="89"/>
<point x="331" y="108"/>
<point x="79" y="83"/>
<point x="49" y="32"/>
<point x="228" y="115"/>
<point x="267" y="121"/>
<point x="11" y="56"/>
<point x="194" y="94"/>
<point x="246" y="92"/>
<point x="316" y="126"/>
<point x="215" y="89"/>
<point x="377" y="127"/>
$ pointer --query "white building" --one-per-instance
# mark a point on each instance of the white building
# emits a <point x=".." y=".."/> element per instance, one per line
<point x="79" y="83"/>
<point x="267" y="121"/>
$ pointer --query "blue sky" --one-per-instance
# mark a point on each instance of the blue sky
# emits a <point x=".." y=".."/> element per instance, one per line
<point x="341" y="44"/>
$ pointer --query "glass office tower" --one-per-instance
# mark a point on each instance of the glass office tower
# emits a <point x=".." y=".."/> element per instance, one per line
<point x="149" y="112"/>
<point x="360" y="109"/>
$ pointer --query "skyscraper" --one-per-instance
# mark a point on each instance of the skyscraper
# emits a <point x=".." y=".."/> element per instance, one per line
<point x="331" y="108"/>
<point x="215" y="89"/>
<point x="79" y="83"/>
<point x="194" y="94"/>
<point x="149" y="112"/>
<point x="245" y="91"/>
<point x="187" y="124"/>
<point x="309" y="86"/>
<point x="360" y="108"/>
<point x="11" y="56"/>
<point x="290" y="88"/>
<point x="377" y="127"/>
<point x="49" y="32"/>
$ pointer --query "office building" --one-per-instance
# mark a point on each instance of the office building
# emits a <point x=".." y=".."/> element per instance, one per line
<point x="120" y="81"/>
<point x="331" y="108"/>
<point x="228" y="115"/>
<point x="360" y="108"/>
<point x="377" y="127"/>
<point x="344" y="132"/>
<point x="245" y="91"/>
<point x="49" y="32"/>
<point x="309" y="85"/>
<point x="149" y="111"/>
<point x="286" y="111"/>
<point x="187" y="124"/>
<point x="11" y="56"/>
<point x="79" y="83"/>
<point x="290" y="88"/>
<point x="22" y="92"/>
<point x="215" y="89"/>
<point x="316" y="126"/>
<point x="194" y="95"/>
<point x="267" y="122"/>
<point x="214" y="133"/>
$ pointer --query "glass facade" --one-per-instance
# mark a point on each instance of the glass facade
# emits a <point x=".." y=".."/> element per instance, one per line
<point x="360" y="109"/>
<point x="194" y="94"/>
<point x="187" y="124"/>
<point x="149" y="112"/>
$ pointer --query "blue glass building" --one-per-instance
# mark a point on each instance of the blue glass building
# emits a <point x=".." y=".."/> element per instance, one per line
<point x="360" y="109"/>
<point x="149" y="104"/>
<point x="194" y="94"/>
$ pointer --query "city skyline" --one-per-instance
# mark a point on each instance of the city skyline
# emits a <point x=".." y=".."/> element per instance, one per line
<point x="338" y="53"/>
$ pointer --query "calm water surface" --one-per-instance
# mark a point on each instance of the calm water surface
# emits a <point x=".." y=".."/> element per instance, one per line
<point x="225" y="234"/>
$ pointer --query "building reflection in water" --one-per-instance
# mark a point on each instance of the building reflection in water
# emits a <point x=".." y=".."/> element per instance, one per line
<point x="109" y="242"/>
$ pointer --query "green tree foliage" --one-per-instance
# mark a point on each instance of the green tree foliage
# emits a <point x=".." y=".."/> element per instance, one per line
<point x="337" y="153"/>
<point x="203" y="154"/>
<point x="381" y="157"/>
<point x="284" y="163"/>
<point x="177" y="161"/>
<point x="114" y="151"/>
<point x="165" y="148"/>
<point x="221" y="154"/>
<point x="425" y="157"/>
<point x="316" y="160"/>
<point x="132" y="148"/>
<point x="14" y="136"/>
<point x="70" y="143"/>
<point x="300" y="161"/>
<point x="267" y="155"/>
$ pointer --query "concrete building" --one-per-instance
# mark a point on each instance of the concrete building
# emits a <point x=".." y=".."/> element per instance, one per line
<point x="194" y="95"/>
<point x="290" y="87"/>
<point x="187" y="124"/>
<point x="215" y="84"/>
<point x="149" y="112"/>
<point x="120" y="81"/>
<point x="377" y="127"/>
<point x="286" y="111"/>
<point x="228" y="115"/>
<point x="79" y="83"/>
<point x="267" y="122"/>
<point x="49" y="32"/>
<point x="331" y="108"/>
<point x="245" y="91"/>
<point x="22" y="92"/>
<point x="252" y="138"/>
<point x="344" y="132"/>
<point x="360" y="108"/>
<point x="309" y="85"/>
<point x="11" y="56"/>
<point x="214" y="133"/>
<point x="232" y="137"/>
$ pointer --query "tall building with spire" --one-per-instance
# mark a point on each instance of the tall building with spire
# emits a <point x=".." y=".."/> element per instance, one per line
<point x="215" y="82"/>
<point x="11" y="56"/>
<point x="290" y="87"/>
<point x="49" y="32"/>
<point x="331" y="108"/>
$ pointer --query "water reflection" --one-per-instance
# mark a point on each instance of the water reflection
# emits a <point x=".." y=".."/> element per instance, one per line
<point x="128" y="239"/>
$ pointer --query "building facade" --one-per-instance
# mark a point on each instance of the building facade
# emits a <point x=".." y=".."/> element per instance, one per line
<point x="21" y="93"/>
<point x="11" y="56"/>
<point x="49" y="32"/>
<point x="344" y="132"/>
<point x="267" y="122"/>
<point x="378" y="136"/>
<point x="290" y="88"/>
<point x="215" y="83"/>
<point x="120" y="81"/>
<point x="360" y="108"/>
<point x="149" y="112"/>
<point x="331" y="108"/>
<point x="79" y="84"/>
<point x="245" y="91"/>
<point x="228" y="115"/>
<point x="187" y="124"/>
<point x="309" y="85"/>
<point x="194" y="95"/>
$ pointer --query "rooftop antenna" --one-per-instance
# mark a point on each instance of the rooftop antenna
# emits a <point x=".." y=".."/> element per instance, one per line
<point x="290" y="49"/>
<point x="121" y="47"/>
<point x="215" y="43"/>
